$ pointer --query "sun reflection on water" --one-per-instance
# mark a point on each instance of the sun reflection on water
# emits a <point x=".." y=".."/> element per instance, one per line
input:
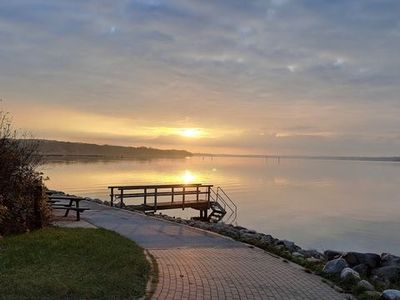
<point x="188" y="177"/>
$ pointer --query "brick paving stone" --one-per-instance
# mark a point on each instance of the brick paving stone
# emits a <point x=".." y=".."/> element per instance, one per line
<point x="195" y="264"/>
<point x="238" y="273"/>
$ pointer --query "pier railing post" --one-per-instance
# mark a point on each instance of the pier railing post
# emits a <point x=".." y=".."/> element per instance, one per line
<point x="173" y="194"/>
<point x="112" y="197"/>
<point x="183" y="197"/>
<point x="197" y="193"/>
<point x="155" y="199"/>
<point x="121" y="198"/>
<point x="208" y="195"/>
<point x="145" y="197"/>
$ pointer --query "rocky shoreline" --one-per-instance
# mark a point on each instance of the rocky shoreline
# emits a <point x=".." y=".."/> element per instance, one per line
<point x="365" y="275"/>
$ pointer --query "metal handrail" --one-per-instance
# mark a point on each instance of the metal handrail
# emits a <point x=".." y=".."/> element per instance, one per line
<point x="229" y="198"/>
<point x="223" y="198"/>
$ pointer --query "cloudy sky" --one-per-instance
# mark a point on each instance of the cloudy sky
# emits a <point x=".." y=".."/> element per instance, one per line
<point x="231" y="76"/>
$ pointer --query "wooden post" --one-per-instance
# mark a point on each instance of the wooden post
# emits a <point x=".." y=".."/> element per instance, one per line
<point x="183" y="197"/>
<point x="155" y="199"/>
<point x="209" y="195"/>
<point x="78" y="213"/>
<point x="121" y="198"/>
<point x="173" y="193"/>
<point x="145" y="197"/>
<point x="197" y="194"/>
<point x="112" y="197"/>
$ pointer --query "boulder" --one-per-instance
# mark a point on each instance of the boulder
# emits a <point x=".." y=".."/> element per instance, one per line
<point x="231" y="233"/>
<point x="289" y="245"/>
<point x="389" y="260"/>
<point x="298" y="255"/>
<point x="349" y="275"/>
<point x="250" y="238"/>
<point x="332" y="254"/>
<point x="365" y="285"/>
<point x="372" y="260"/>
<point x="361" y="269"/>
<point x="390" y="295"/>
<point x="352" y="258"/>
<point x="312" y="253"/>
<point x="387" y="274"/>
<point x="335" y="266"/>
<point x="313" y="260"/>
<point x="266" y="240"/>
<point x="371" y="295"/>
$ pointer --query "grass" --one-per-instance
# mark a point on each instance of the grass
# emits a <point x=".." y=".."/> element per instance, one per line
<point x="66" y="263"/>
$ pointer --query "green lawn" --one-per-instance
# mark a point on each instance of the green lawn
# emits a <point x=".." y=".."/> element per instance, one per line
<point x="61" y="263"/>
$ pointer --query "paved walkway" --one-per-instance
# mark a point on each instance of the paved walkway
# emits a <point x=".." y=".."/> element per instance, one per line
<point x="195" y="264"/>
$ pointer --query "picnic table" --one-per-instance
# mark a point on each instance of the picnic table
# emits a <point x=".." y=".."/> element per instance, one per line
<point x="72" y="204"/>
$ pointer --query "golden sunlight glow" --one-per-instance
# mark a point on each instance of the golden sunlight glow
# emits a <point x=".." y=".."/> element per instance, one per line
<point x="188" y="177"/>
<point x="190" y="132"/>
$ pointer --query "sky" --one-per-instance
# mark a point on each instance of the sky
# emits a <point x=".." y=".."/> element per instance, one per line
<point x="287" y="77"/>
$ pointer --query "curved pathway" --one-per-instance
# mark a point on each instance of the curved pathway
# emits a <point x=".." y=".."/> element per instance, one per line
<point x="196" y="264"/>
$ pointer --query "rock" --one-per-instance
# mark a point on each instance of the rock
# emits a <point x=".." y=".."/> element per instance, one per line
<point x="390" y="295"/>
<point x="289" y="245"/>
<point x="298" y="255"/>
<point x="312" y="253"/>
<point x="389" y="260"/>
<point x="335" y="266"/>
<point x="231" y="233"/>
<point x="352" y="258"/>
<point x="371" y="295"/>
<point x="361" y="269"/>
<point x="245" y="230"/>
<point x="332" y="254"/>
<point x="349" y="275"/>
<point x="372" y="260"/>
<point x="387" y="274"/>
<point x="267" y="240"/>
<point x="313" y="260"/>
<point x="239" y="227"/>
<point x="365" y="285"/>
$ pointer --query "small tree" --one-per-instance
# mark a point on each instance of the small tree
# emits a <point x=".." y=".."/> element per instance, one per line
<point x="22" y="200"/>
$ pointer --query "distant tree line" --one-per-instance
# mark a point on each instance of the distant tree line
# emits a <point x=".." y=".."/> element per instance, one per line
<point x="54" y="148"/>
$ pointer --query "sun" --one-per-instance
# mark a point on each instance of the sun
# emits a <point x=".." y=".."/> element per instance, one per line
<point x="190" y="132"/>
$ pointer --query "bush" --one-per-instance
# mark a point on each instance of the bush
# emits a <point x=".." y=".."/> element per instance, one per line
<point x="22" y="200"/>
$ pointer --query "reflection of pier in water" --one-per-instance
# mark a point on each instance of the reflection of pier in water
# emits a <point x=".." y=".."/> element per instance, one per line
<point x="201" y="197"/>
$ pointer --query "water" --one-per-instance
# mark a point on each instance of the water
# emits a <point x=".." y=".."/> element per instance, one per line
<point x="344" y="205"/>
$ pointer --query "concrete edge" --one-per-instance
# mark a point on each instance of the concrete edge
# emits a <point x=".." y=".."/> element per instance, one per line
<point x="152" y="280"/>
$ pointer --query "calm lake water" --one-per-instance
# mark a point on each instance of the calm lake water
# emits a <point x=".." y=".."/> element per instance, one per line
<point x="344" y="205"/>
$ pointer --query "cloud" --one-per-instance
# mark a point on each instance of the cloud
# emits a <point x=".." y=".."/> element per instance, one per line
<point x="238" y="65"/>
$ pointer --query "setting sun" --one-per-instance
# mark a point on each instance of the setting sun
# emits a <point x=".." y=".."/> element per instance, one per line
<point x="190" y="132"/>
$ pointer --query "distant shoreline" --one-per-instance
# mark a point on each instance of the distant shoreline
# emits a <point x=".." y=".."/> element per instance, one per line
<point x="342" y="158"/>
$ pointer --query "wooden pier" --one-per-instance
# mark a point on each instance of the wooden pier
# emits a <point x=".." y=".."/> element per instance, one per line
<point x="200" y="197"/>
